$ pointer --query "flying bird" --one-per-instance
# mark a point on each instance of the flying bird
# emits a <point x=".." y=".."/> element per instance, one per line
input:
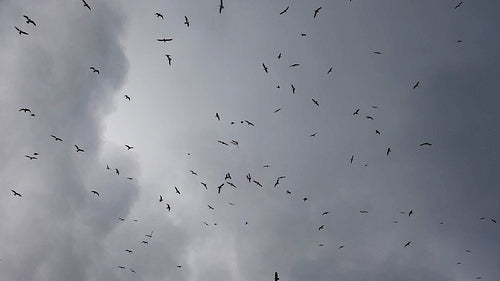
<point x="28" y="20"/>
<point x="425" y="143"/>
<point x="416" y="85"/>
<point x="158" y="15"/>
<point x="177" y="190"/>
<point x="277" y="110"/>
<point x="279" y="56"/>
<point x="316" y="12"/>
<point x="249" y="123"/>
<point x="458" y="5"/>
<point x="325" y="213"/>
<point x="377" y="132"/>
<point x="95" y="70"/>
<point x="30" y="157"/>
<point x="129" y="251"/>
<point x="164" y="39"/>
<point x="303" y="34"/>
<point x="95" y="192"/>
<point x="133" y="271"/>
<point x="219" y="188"/>
<point x="285" y="10"/>
<point x="221" y="6"/>
<point x="144" y="242"/>
<point x="304" y="199"/>
<point x="25" y="109"/>
<point x="128" y="147"/>
<point x="315" y="102"/>
<point x="249" y="178"/>
<point x="117" y="171"/>
<point x="329" y="70"/>
<point x="79" y="149"/>
<point x="341" y="246"/>
<point x="356" y="112"/>
<point x="168" y="207"/>
<point x="388" y="150"/>
<point x="221" y="142"/>
<point x="294" y="65"/>
<point x="121" y="267"/>
<point x="205" y="185"/>
<point x="193" y="172"/>
<point x="276" y="278"/>
<point x="161" y="199"/>
<point x="210" y="207"/>
<point x="352" y="158"/>
<point x="493" y="220"/>
<point x="20" y="31"/>
<point x="369" y="117"/>
<point x="257" y="183"/>
<point x="265" y="68"/>
<point x="321" y="227"/>
<point x="364" y="212"/>
<point x="217" y="116"/>
<point x="410" y="213"/>
<point x="293" y="89"/>
<point x="86" y="5"/>
<point x="377" y="52"/>
<point x="16" y="193"/>
<point x="407" y="244"/>
<point x="186" y="21"/>
<point x="227" y="176"/>
<point x="149" y="235"/>
<point x="314" y="134"/>
<point x="127" y="97"/>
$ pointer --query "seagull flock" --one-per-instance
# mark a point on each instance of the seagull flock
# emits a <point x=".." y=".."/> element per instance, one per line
<point x="231" y="181"/>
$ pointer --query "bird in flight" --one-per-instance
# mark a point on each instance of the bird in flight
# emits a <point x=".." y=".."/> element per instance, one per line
<point x="127" y="97"/>
<point x="219" y="188"/>
<point x="158" y="15"/>
<point x="425" y="143"/>
<point x="129" y="251"/>
<point x="217" y="116"/>
<point x="193" y="172"/>
<point x="227" y="176"/>
<point x="377" y="52"/>
<point x="186" y="21"/>
<point x="79" y="149"/>
<point x="144" y="242"/>
<point x="177" y="190"/>
<point x="458" y="5"/>
<point x="164" y="39"/>
<point x="293" y="89"/>
<point x="321" y="227"/>
<point x="316" y="12"/>
<point x="210" y="207"/>
<point x="369" y="117"/>
<point x="416" y="85"/>
<point x="364" y="212"/>
<point x="407" y="244"/>
<point x="221" y="142"/>
<point x="30" y="157"/>
<point x="149" y="235"/>
<point x="257" y="183"/>
<point x="117" y="171"/>
<point x="20" y="31"/>
<point x="133" y="271"/>
<point x="121" y="267"/>
<point x="205" y="185"/>
<point x="28" y="20"/>
<point x="329" y="70"/>
<point x="285" y="10"/>
<point x="352" y="158"/>
<point x="276" y="278"/>
<point x="86" y="5"/>
<point x="325" y="213"/>
<point x="95" y="192"/>
<point x="249" y="178"/>
<point x="314" y="134"/>
<point x="161" y="199"/>
<point x="356" y="112"/>
<point x="231" y="184"/>
<point x="25" y="109"/>
<point x="315" y="102"/>
<point x="265" y="68"/>
<point x="16" y="193"/>
<point x="168" y="207"/>
<point x="377" y="132"/>
<point x="221" y="6"/>
<point x="279" y="56"/>
<point x="128" y="147"/>
<point x="277" y="110"/>
<point x="295" y="65"/>
<point x="388" y="150"/>
<point x="94" y="70"/>
<point x="341" y="246"/>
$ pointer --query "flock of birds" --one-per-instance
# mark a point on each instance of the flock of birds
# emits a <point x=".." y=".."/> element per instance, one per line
<point x="228" y="179"/>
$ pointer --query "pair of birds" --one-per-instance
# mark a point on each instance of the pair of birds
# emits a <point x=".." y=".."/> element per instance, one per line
<point x="315" y="11"/>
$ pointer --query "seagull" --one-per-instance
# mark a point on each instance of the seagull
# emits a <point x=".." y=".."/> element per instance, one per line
<point x="205" y="185"/>
<point x="86" y="5"/>
<point x="107" y="167"/>
<point x="313" y="135"/>
<point x="158" y="15"/>
<point x="16" y="193"/>
<point x="94" y="70"/>
<point x="30" y="157"/>
<point x="468" y="251"/>
<point x="377" y="52"/>
<point x="294" y="65"/>
<point x="356" y="112"/>
<point x="364" y="212"/>
<point x="168" y="207"/>
<point x="303" y="34"/>
<point x="129" y="251"/>
<point x="217" y="116"/>
<point x="416" y="85"/>
<point x="25" y="109"/>
<point x="377" y="132"/>
<point x="164" y="39"/>
<point x="329" y="70"/>
<point x="133" y="271"/>
<point x="161" y="199"/>
<point x="179" y="266"/>
<point x="325" y="213"/>
<point x="221" y="142"/>
<point x="249" y="123"/>
<point x="321" y="245"/>
<point x="149" y="235"/>
<point x="231" y="184"/>
<point x="276" y="278"/>
<point x="277" y="110"/>
<point x="458" y="5"/>
<point x="410" y="213"/>
<point x="249" y="178"/>
<point x="127" y="97"/>
<point x="321" y="227"/>
<point x="95" y="192"/>
<point x="128" y="147"/>
<point x="315" y="102"/>
<point x="121" y="267"/>
<point x="493" y="220"/>
<point x="293" y="89"/>
<point x="388" y="150"/>
<point x="407" y="244"/>
<point x="285" y="10"/>
<point x="425" y="143"/>
<point x="228" y="176"/>
<point x="186" y="22"/>
<point x="144" y="242"/>
<point x="341" y="246"/>
<point x="79" y="149"/>
<point x="210" y="207"/>
<point x="219" y="188"/>
<point x="265" y="68"/>
<point x="28" y="20"/>
<point x="177" y="190"/>
<point x="288" y="192"/>
<point x="352" y="158"/>
<point x="369" y="117"/>
<point x="221" y="6"/>
<point x="20" y="31"/>
<point x="279" y="56"/>
<point x="117" y="171"/>
<point x="193" y="172"/>
<point x="316" y="12"/>
<point x="257" y="183"/>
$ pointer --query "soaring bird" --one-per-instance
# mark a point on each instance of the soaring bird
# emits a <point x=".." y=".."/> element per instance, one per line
<point x="122" y="219"/>
<point x="186" y="21"/>
<point x="493" y="220"/>
<point x="79" y="149"/>
<point x="285" y="10"/>
<point x="277" y="110"/>
<point x="128" y="147"/>
<point x="117" y="171"/>
<point x="407" y="244"/>
<point x="221" y="6"/>
<point x="158" y="15"/>
<point x="303" y="34"/>
<point x="25" y="109"/>
<point x="388" y="150"/>
<point x="257" y="183"/>
<point x="249" y="178"/>
<point x="127" y="97"/>
<point x="20" y="31"/>
<point x="164" y="39"/>
<point x="16" y="193"/>
<point x="231" y="184"/>
<point x="458" y="5"/>
<point x="205" y="185"/>
<point x="161" y="199"/>
<point x="315" y="102"/>
<point x="313" y="134"/>
<point x="341" y="246"/>
<point x="133" y="271"/>
<point x="321" y="227"/>
<point x="279" y="56"/>
<point x="168" y="207"/>
<point x="30" y="157"/>
<point x="352" y="158"/>
<point x="329" y="70"/>
<point x="221" y="142"/>
<point x="410" y="213"/>
<point x="369" y="117"/>
<point x="219" y="188"/>
<point x="129" y="251"/>
<point x="144" y="242"/>
<point x="295" y="65"/>
<point x="316" y="11"/>
<point x="217" y="116"/>
<point x="377" y="132"/>
<point x="325" y="213"/>
<point x="193" y="172"/>
<point x="276" y="278"/>
<point x="227" y="176"/>
<point x="28" y="20"/>
<point x="416" y="85"/>
<point x="95" y="192"/>
<point x="377" y="52"/>
<point x="95" y="70"/>
<point x="356" y="112"/>
<point x="149" y="235"/>
<point x="304" y="199"/>
<point x="234" y="142"/>
<point x="210" y="207"/>
<point x="363" y="212"/>
<point x="425" y="143"/>
<point x="249" y="123"/>
<point x="293" y="89"/>
<point x="86" y="5"/>
<point x="177" y="190"/>
<point x="265" y="68"/>
<point x="121" y="267"/>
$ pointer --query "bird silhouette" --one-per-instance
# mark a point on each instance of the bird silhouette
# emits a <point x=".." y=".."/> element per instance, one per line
<point x="127" y="97"/>
<point x="329" y="70"/>
<point x="117" y="171"/>
<point x="356" y="112"/>
<point x="293" y="89"/>
<point x="276" y="278"/>
<point x="21" y="32"/>
<point x="221" y="142"/>
<point x="128" y="147"/>
<point x="377" y="132"/>
<point x="133" y="271"/>
<point x="249" y="178"/>
<point x="316" y="12"/>
<point x="425" y="143"/>
<point x="193" y="172"/>
<point x="121" y="267"/>
<point x="325" y="213"/>
<point x="144" y="242"/>
<point x="363" y="212"/>
<point x="227" y="176"/>
<point x="129" y="251"/>
<point x="315" y="102"/>
<point x="231" y="184"/>
<point x="410" y="213"/>
<point x="313" y="134"/>
<point x="149" y="235"/>
<point x="78" y="149"/>
<point x="277" y="110"/>
<point x="407" y="244"/>
<point x="219" y="188"/>
<point x="210" y="207"/>
<point x="369" y="117"/>
<point x="25" y="110"/>
<point x="265" y="68"/>
<point x="186" y="21"/>
<point x="95" y="192"/>
<point x="177" y="190"/>
<point x="95" y="70"/>
<point x="221" y="6"/>
<point x="458" y="5"/>
<point x="161" y="199"/>
<point x="388" y="150"/>
<point x="377" y="52"/>
<point x="28" y="20"/>
<point x="168" y="207"/>
<point x="16" y="193"/>
<point x="158" y="15"/>
<point x="164" y="39"/>
<point x="341" y="246"/>
<point x="285" y="10"/>
<point x="321" y="227"/>
<point x="416" y="85"/>
<point x="294" y="65"/>
<point x="86" y="5"/>
<point x="217" y="116"/>
<point x="205" y="185"/>
<point x="30" y="157"/>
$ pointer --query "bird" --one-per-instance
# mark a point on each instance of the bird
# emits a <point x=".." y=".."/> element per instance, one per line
<point x="377" y="132"/>
<point x="257" y="183"/>
<point x="276" y="278"/>
<point x="164" y="39"/>
<point x="95" y="192"/>
<point x="316" y="12"/>
<point x="149" y="235"/>
<point x="20" y="31"/>
<point x="314" y="134"/>
<point x="144" y="242"/>
<point x="321" y="245"/>
<point x="107" y="167"/>
<point x="221" y="6"/>
<point x="279" y="56"/>
<point x="117" y="171"/>
<point x="179" y="266"/>
<point x="205" y="185"/>
<point x="127" y="97"/>
<point x="158" y="15"/>
<point x="219" y="188"/>
<point x="315" y="102"/>
<point x="329" y="70"/>
<point x="122" y="219"/>
<point x="285" y="10"/>
<point x="133" y="271"/>
<point x="177" y="190"/>
<point x="231" y="184"/>
<point x="303" y="34"/>
<point x="369" y="117"/>
<point x="416" y="85"/>
<point x="410" y="213"/>
<point x="407" y="244"/>
<point x="377" y="52"/>
<point x="294" y="65"/>
<point x="168" y="207"/>
<point x="305" y="199"/>
<point x="356" y="112"/>
<point x="321" y="227"/>
<point x="186" y="21"/>
<point x="388" y="150"/>
<point x="95" y="70"/>
<point x="121" y="267"/>
<point x="249" y="178"/>
<point x="352" y="158"/>
<point x="249" y="123"/>
<point x="325" y="213"/>
<point x="425" y="143"/>
<point x="227" y="176"/>
<point x="169" y="58"/>
<point x="221" y="142"/>
<point x="79" y="149"/>
<point x="293" y="89"/>
<point x="288" y="192"/>
<point x="341" y="246"/>
<point x="86" y="5"/>
<point x="493" y="220"/>
<point x="217" y="116"/>
<point x="277" y="110"/>
<point x="28" y="20"/>
<point x="129" y="251"/>
<point x="210" y="207"/>
<point x="16" y="193"/>
<point x="468" y="251"/>
<point x="25" y="109"/>
<point x="266" y="166"/>
<point x="161" y="199"/>
<point x="193" y="172"/>
<point x="128" y="147"/>
<point x="265" y="68"/>
<point x="363" y="212"/>
<point x="30" y="157"/>
<point x="458" y="5"/>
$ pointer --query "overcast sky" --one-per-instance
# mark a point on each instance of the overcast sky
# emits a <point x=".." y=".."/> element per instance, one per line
<point x="59" y="230"/>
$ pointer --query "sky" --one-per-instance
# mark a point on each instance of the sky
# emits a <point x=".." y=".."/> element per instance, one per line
<point x="343" y="209"/>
